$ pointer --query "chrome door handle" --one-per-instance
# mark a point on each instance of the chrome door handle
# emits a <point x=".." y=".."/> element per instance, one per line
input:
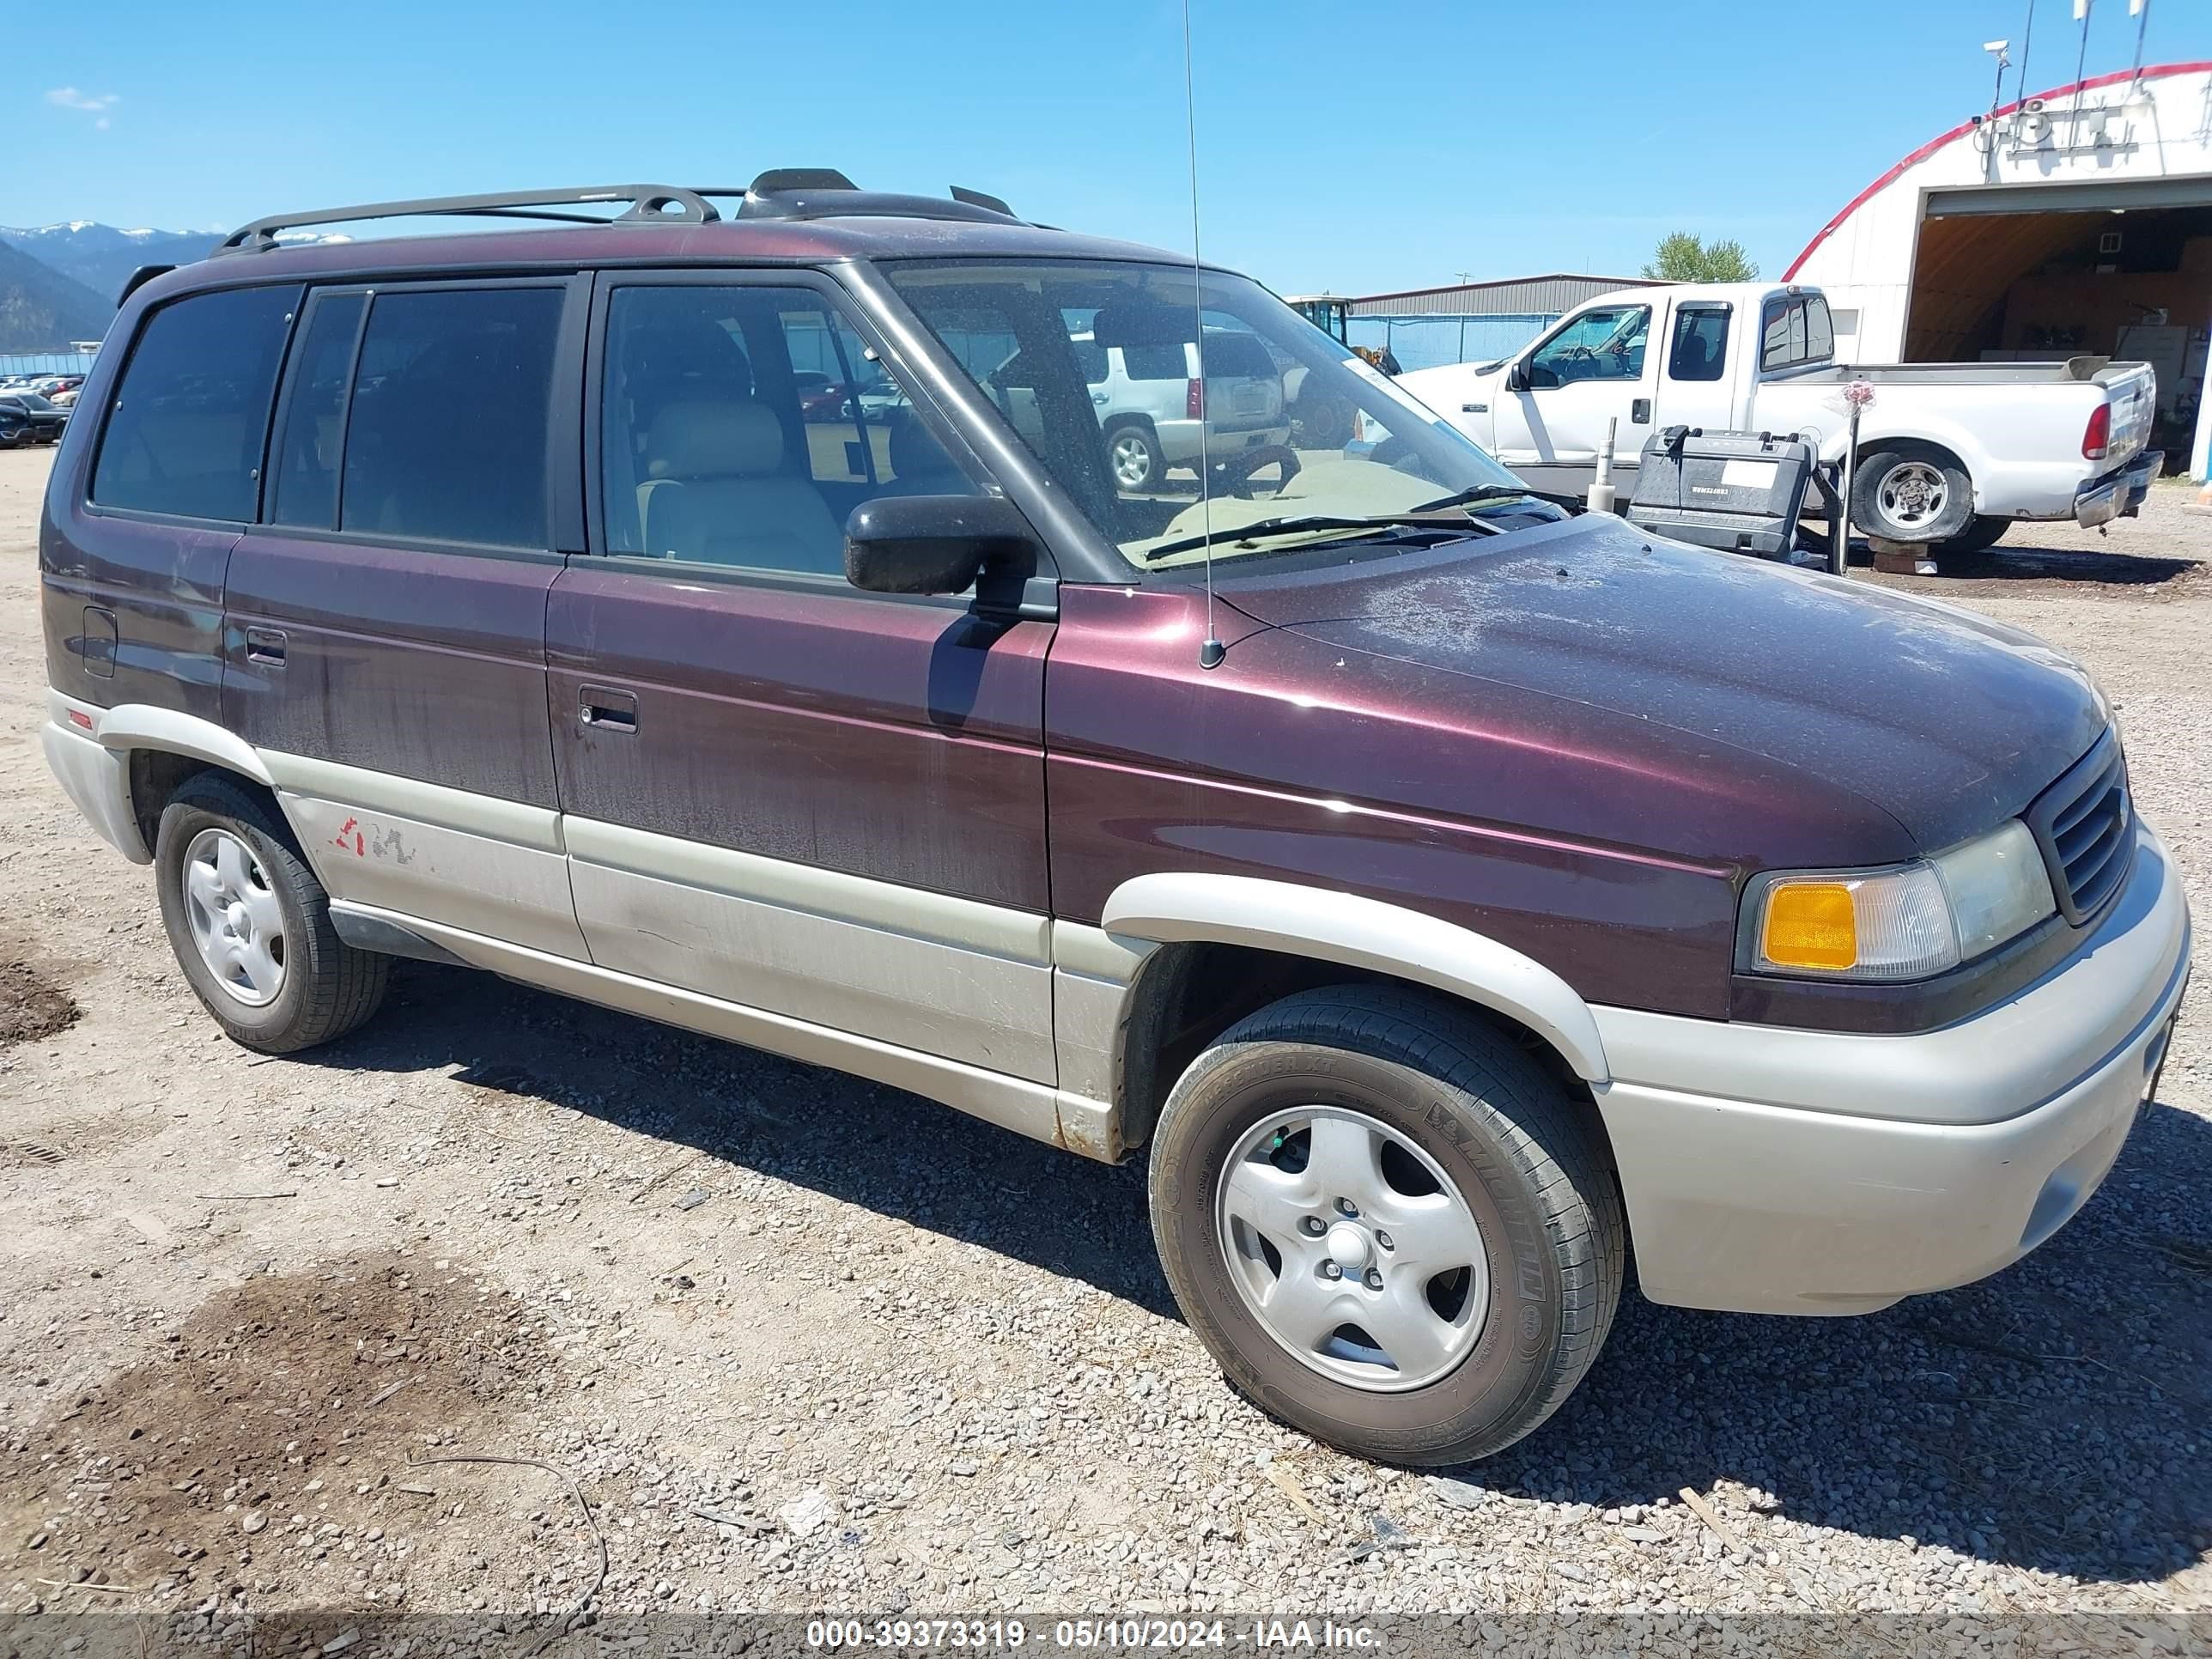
<point x="266" y="646"/>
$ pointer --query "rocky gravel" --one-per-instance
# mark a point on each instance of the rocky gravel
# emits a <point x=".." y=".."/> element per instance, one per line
<point x="799" y="1342"/>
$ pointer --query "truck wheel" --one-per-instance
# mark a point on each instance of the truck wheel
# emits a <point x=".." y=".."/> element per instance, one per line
<point x="1390" y="1226"/>
<point x="1134" y="455"/>
<point x="1911" y="494"/>
<point x="251" y="925"/>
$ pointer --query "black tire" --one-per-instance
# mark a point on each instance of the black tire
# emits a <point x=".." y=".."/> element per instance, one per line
<point x="1981" y="533"/>
<point x="1130" y="442"/>
<point x="1511" y="1141"/>
<point x="1889" y="483"/>
<point x="328" y="988"/>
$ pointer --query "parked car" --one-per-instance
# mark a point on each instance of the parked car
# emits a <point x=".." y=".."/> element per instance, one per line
<point x="40" y="422"/>
<point x="1452" y="896"/>
<point x="1949" y="454"/>
<point x="66" y="397"/>
<point x="1151" y="403"/>
<point x="16" y="429"/>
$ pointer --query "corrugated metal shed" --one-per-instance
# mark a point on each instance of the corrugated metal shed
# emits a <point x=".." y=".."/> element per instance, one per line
<point x="1543" y="295"/>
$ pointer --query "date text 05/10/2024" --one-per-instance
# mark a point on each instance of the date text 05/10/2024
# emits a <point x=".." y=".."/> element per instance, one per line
<point x="1132" y="1633"/>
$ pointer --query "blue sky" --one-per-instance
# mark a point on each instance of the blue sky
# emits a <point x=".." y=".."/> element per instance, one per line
<point x="1354" y="146"/>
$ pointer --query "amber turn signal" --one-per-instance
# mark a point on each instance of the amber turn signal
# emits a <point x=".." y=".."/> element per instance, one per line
<point x="1811" y="925"/>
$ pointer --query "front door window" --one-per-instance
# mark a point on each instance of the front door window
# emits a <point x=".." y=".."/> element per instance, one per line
<point x="1606" y="344"/>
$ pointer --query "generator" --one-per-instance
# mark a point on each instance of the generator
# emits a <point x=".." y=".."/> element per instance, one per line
<point x="1737" y="491"/>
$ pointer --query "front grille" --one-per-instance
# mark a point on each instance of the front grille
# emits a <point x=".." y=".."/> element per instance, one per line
<point x="2086" y="829"/>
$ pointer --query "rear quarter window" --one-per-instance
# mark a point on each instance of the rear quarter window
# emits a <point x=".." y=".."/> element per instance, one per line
<point x="189" y="416"/>
<point x="1242" y="355"/>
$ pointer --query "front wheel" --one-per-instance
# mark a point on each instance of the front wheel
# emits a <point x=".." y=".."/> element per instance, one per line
<point x="1390" y="1226"/>
<point x="251" y="925"/>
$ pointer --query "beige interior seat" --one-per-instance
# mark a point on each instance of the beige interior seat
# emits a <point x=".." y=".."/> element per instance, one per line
<point x="715" y="492"/>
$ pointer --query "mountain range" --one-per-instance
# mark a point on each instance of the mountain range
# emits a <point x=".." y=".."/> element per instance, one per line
<point x="59" y="283"/>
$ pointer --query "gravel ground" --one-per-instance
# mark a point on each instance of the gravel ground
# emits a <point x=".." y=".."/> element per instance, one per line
<point x="807" y="1343"/>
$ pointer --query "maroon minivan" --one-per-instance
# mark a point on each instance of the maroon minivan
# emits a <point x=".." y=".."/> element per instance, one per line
<point x="1457" y="894"/>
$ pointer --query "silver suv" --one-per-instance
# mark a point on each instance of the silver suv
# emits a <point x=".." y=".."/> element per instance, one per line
<point x="1152" y="404"/>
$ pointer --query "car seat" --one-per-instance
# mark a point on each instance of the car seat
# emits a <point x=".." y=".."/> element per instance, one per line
<point x="715" y="492"/>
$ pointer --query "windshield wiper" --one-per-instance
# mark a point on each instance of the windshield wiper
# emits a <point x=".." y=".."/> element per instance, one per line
<point x="1374" y="524"/>
<point x="1470" y="498"/>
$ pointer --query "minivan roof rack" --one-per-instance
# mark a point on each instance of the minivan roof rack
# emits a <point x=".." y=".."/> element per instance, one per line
<point x="664" y="204"/>
<point x="778" y="194"/>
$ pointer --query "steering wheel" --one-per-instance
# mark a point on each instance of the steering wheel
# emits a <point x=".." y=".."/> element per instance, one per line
<point x="1236" y="471"/>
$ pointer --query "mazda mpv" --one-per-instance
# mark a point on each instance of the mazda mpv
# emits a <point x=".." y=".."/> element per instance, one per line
<point x="1454" y="897"/>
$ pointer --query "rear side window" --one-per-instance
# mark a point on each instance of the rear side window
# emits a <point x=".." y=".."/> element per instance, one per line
<point x="1699" y="350"/>
<point x="185" y="431"/>
<point x="445" y="435"/>
<point x="1795" y="330"/>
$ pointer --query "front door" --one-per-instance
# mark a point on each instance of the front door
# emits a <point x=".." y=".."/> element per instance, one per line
<point x="780" y="791"/>
<point x="1591" y="370"/>
<point x="383" y="639"/>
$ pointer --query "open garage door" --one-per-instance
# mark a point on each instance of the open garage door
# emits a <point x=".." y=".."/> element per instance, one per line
<point x="2115" y="269"/>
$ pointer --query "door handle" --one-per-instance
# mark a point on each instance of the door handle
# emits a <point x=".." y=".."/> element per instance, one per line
<point x="598" y="709"/>
<point x="1639" y="412"/>
<point x="266" y="646"/>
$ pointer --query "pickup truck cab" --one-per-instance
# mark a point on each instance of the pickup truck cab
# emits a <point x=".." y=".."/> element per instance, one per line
<point x="1948" y="453"/>
<point x="1455" y="899"/>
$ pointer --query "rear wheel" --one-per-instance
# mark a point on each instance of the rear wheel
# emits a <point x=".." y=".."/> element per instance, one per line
<point x="1911" y="494"/>
<point x="1391" y="1227"/>
<point x="1134" y="455"/>
<point x="1981" y="533"/>
<point x="251" y="925"/>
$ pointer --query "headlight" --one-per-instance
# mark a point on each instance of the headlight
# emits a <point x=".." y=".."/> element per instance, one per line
<point x="1904" y="922"/>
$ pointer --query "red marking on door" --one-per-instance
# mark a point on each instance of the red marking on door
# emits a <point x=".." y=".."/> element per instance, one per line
<point x="358" y="846"/>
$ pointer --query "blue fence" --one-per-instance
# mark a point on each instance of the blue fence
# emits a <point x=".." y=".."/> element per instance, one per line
<point x="45" y="362"/>
<point x="1431" y="342"/>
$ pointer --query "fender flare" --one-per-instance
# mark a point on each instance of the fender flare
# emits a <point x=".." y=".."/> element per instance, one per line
<point x="142" y="725"/>
<point x="1362" y="933"/>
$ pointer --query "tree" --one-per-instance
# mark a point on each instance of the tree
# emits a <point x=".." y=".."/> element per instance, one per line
<point x="1681" y="257"/>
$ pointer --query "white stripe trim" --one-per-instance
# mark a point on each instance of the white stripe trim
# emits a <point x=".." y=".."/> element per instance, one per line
<point x="1035" y="1109"/>
<point x="970" y="924"/>
<point x="357" y="786"/>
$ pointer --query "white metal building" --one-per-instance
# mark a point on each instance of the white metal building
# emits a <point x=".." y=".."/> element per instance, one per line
<point x="2077" y="221"/>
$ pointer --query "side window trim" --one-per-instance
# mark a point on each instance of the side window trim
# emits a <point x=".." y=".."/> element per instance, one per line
<point x="563" y="500"/>
<point x="836" y="301"/>
<point x="87" y="476"/>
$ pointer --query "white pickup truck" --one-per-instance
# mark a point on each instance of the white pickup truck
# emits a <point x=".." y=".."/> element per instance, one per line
<point x="1948" y="453"/>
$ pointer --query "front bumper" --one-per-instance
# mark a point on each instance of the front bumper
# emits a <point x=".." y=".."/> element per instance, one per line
<point x="1768" y="1169"/>
<point x="2118" y="495"/>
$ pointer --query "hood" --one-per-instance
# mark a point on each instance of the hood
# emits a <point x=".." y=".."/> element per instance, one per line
<point x="1819" y="688"/>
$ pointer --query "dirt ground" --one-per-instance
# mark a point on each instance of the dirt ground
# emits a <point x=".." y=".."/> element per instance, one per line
<point x="804" y="1343"/>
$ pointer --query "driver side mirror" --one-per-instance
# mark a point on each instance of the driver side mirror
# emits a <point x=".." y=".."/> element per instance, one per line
<point x="1517" y="378"/>
<point x="938" y="544"/>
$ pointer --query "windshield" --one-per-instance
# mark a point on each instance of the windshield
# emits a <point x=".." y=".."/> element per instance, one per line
<point x="1096" y="367"/>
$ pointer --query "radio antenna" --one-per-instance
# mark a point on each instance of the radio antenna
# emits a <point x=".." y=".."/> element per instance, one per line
<point x="1211" y="651"/>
